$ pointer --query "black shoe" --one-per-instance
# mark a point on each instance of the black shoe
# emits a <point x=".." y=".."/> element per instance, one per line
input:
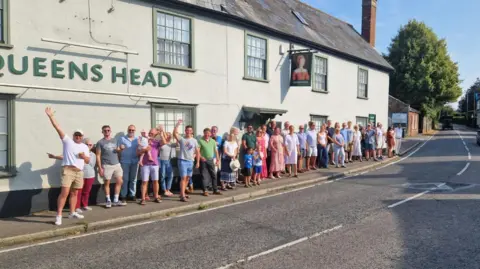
<point x="130" y="198"/>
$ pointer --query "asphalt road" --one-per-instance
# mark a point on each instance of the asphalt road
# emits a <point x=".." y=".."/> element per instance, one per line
<point x="363" y="221"/>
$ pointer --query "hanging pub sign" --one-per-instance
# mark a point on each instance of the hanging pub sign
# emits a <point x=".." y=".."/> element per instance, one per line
<point x="301" y="68"/>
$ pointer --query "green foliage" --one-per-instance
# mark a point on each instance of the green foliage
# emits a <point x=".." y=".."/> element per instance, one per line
<point x="425" y="76"/>
<point x="462" y="103"/>
<point x="447" y="111"/>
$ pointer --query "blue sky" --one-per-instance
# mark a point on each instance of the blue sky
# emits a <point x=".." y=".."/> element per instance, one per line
<point x="456" y="21"/>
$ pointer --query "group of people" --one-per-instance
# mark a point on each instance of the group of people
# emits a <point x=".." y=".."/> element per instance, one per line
<point x="266" y="152"/>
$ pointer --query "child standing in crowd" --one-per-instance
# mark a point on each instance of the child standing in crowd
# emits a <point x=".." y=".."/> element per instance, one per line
<point x="143" y="143"/>
<point x="247" y="171"/>
<point x="257" y="161"/>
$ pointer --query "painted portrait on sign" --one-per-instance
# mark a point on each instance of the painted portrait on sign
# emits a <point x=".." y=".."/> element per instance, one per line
<point x="301" y="68"/>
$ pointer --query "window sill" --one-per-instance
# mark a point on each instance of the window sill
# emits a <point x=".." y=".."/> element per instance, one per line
<point x="5" y="174"/>
<point x="173" y="67"/>
<point x="256" y="79"/>
<point x="6" y="46"/>
<point x="317" y="91"/>
<point x="360" y="97"/>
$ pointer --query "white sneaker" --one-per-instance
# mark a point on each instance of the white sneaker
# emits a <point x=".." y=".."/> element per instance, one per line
<point x="119" y="203"/>
<point x="75" y="215"/>
<point x="86" y="208"/>
<point x="58" y="220"/>
<point x="79" y="211"/>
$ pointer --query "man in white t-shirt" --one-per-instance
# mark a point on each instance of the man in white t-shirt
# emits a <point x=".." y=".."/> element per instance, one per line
<point x="75" y="155"/>
<point x="398" y="139"/>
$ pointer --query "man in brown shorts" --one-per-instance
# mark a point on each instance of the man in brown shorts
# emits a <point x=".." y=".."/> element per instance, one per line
<point x="75" y="155"/>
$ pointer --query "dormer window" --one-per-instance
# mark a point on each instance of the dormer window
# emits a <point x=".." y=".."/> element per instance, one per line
<point x="300" y="17"/>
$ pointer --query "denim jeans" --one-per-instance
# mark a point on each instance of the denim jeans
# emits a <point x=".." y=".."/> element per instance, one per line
<point x="339" y="155"/>
<point x="167" y="174"/>
<point x="129" y="186"/>
<point x="322" y="156"/>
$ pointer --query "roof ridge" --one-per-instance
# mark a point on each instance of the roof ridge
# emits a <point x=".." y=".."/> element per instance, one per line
<point x="321" y="11"/>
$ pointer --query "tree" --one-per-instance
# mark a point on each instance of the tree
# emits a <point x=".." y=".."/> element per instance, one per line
<point x="470" y="106"/>
<point x="425" y="76"/>
<point x="447" y="111"/>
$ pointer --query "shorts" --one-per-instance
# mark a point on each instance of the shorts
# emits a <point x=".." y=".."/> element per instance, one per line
<point x="185" y="168"/>
<point x="150" y="171"/>
<point x="303" y="153"/>
<point x="247" y="172"/>
<point x="72" y="177"/>
<point x="368" y="146"/>
<point x="312" y="151"/>
<point x="380" y="145"/>
<point x="258" y="169"/>
<point x="330" y="148"/>
<point x="112" y="171"/>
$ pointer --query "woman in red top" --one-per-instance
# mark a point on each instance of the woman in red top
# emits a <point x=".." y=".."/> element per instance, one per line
<point x="390" y="141"/>
<point x="300" y="73"/>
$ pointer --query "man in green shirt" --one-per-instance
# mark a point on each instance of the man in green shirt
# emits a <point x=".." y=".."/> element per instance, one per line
<point x="208" y="149"/>
<point x="249" y="139"/>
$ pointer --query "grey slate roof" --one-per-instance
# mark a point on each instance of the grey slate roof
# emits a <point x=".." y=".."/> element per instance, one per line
<point x="322" y="29"/>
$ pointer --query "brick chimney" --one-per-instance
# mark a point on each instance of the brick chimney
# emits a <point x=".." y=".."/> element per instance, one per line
<point x="369" y="20"/>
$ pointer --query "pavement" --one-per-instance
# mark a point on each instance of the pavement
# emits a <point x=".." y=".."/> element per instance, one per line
<point x="341" y="223"/>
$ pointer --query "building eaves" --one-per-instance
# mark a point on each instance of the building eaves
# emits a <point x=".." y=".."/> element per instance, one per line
<point x="274" y="17"/>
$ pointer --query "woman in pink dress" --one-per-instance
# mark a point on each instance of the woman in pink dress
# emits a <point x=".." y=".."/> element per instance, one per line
<point x="262" y="148"/>
<point x="277" y="163"/>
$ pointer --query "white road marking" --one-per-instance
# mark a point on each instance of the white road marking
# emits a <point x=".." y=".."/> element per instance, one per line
<point x="469" y="156"/>
<point x="200" y="211"/>
<point x="464" y="169"/>
<point x="160" y="220"/>
<point x="249" y="258"/>
<point x="415" y="196"/>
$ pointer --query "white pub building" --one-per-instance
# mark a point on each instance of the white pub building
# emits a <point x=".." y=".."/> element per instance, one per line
<point x="150" y="62"/>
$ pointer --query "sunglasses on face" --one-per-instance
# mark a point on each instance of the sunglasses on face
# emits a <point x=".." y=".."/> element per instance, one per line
<point x="106" y="131"/>
<point x="131" y="130"/>
<point x="77" y="134"/>
<point x="89" y="145"/>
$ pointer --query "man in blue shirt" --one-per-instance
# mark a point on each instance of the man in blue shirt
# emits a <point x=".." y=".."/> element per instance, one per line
<point x="302" y="140"/>
<point x="129" y="163"/>
<point x="370" y="141"/>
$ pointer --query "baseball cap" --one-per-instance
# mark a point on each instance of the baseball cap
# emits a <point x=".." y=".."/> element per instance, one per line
<point x="78" y="131"/>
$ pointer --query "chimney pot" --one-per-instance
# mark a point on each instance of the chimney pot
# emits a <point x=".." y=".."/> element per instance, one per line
<point x="369" y="20"/>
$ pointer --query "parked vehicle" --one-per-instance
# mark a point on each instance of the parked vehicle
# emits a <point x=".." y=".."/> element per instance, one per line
<point x="478" y="138"/>
<point x="447" y="122"/>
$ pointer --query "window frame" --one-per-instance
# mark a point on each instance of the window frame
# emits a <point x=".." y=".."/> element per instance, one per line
<point x="155" y="106"/>
<point x="10" y="168"/>
<point x="312" y="116"/>
<point x="360" y="69"/>
<point x="314" y="75"/>
<point x="6" y="26"/>
<point x="362" y="117"/>
<point x="245" y="58"/>
<point x="155" y="63"/>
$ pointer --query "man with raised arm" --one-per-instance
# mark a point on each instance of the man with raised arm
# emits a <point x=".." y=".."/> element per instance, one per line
<point x="189" y="152"/>
<point x="75" y="155"/>
<point x="109" y="166"/>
